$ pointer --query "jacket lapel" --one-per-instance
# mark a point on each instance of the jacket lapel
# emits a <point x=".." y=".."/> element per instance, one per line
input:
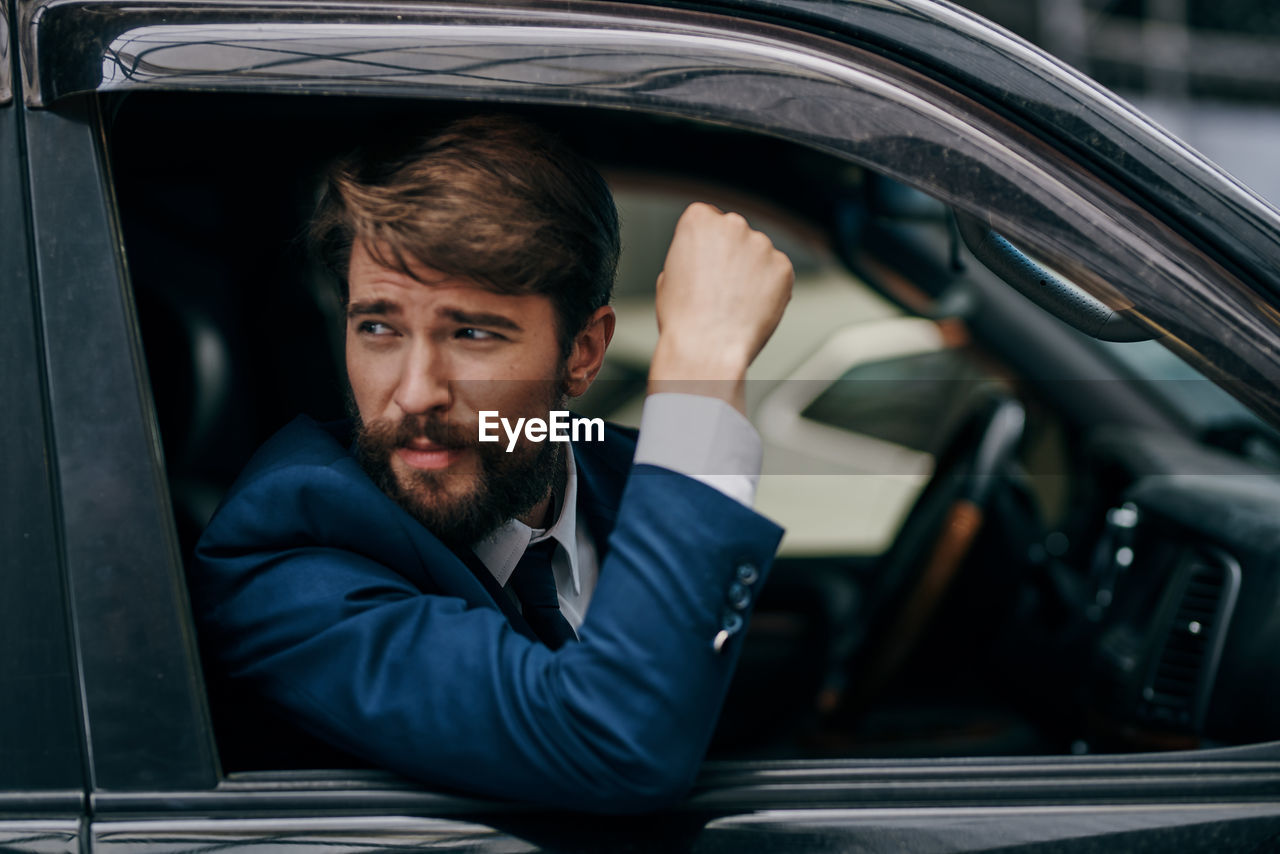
<point x="496" y="593"/>
<point x="460" y="573"/>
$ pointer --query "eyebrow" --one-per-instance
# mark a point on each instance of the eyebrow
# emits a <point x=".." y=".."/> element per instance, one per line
<point x="376" y="306"/>
<point x="469" y="318"/>
<point x="457" y="315"/>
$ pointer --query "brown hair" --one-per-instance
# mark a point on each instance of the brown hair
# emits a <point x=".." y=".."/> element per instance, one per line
<point x="494" y="199"/>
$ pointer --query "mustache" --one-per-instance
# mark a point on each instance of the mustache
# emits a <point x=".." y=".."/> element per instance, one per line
<point x="447" y="434"/>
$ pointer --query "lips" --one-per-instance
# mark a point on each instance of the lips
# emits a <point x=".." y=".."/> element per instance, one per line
<point x="425" y="455"/>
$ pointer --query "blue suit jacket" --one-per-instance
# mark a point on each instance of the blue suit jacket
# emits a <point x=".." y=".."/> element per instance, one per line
<point x="319" y="595"/>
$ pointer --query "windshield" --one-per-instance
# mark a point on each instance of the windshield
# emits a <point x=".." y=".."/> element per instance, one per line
<point x="1194" y="397"/>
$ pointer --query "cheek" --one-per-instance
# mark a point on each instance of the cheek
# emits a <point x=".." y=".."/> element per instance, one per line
<point x="515" y="382"/>
<point x="511" y="398"/>
<point x="372" y="382"/>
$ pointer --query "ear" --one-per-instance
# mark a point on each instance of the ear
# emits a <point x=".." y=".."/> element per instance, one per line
<point x="587" y="354"/>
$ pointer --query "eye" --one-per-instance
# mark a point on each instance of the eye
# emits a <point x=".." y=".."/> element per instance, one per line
<point x="470" y="333"/>
<point x="374" y="327"/>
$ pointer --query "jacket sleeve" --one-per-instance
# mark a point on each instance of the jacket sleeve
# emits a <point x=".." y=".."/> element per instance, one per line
<point x="319" y="617"/>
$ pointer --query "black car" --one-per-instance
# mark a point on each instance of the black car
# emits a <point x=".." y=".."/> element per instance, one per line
<point x="1020" y="419"/>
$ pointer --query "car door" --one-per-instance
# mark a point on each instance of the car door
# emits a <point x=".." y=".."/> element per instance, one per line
<point x="155" y="782"/>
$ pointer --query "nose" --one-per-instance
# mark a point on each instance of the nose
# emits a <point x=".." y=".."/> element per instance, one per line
<point x="424" y="385"/>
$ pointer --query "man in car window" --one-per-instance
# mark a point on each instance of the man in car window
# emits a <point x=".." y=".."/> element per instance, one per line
<point x="521" y="617"/>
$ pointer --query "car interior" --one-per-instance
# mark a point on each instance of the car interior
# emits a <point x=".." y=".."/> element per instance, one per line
<point x="1004" y="537"/>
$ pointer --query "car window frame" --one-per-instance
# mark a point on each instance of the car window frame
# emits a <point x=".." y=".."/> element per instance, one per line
<point x="42" y="780"/>
<point x="154" y="659"/>
<point x="1083" y="216"/>
<point x="146" y="717"/>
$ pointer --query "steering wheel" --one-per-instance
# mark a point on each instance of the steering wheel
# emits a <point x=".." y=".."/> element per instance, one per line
<point x="916" y="572"/>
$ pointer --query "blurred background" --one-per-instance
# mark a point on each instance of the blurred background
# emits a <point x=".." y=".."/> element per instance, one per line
<point x="1207" y="70"/>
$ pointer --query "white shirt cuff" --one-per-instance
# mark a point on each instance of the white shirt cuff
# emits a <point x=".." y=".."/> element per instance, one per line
<point x="704" y="438"/>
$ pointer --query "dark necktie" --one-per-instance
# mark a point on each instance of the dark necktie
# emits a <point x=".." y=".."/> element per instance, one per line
<point x="535" y="586"/>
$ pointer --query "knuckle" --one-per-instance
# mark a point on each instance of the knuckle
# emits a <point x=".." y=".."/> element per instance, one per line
<point x="690" y="214"/>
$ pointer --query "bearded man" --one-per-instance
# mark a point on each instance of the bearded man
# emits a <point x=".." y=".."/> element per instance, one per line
<point x="526" y="623"/>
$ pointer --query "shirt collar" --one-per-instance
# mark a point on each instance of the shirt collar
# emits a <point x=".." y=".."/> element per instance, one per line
<point x="502" y="550"/>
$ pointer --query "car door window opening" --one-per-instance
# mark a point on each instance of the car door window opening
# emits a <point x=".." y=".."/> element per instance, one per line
<point x="867" y="448"/>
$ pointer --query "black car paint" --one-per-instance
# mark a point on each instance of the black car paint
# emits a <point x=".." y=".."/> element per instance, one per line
<point x="38" y="740"/>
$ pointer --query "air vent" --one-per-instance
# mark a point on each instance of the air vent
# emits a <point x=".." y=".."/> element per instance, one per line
<point x="1177" y="690"/>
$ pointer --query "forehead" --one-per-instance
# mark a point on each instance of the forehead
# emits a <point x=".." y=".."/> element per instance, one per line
<point x="370" y="283"/>
<point x="366" y="272"/>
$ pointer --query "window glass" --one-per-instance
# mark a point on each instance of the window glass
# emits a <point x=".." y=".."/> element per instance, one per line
<point x="1193" y="395"/>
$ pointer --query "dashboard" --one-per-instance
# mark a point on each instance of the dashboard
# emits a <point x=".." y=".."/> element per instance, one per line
<point x="1184" y="589"/>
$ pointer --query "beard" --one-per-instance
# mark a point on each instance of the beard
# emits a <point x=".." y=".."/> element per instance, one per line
<point x="459" y="508"/>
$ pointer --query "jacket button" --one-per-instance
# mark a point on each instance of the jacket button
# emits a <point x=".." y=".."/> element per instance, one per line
<point x="730" y="625"/>
<point x="748" y="574"/>
<point x="739" y="596"/>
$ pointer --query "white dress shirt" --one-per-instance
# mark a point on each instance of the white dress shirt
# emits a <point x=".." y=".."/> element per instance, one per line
<point x="702" y="437"/>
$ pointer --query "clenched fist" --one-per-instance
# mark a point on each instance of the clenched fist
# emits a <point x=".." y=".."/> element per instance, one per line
<point x="720" y="296"/>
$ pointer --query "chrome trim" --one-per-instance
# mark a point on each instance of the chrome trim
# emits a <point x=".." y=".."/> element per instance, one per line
<point x="26" y="15"/>
<point x="428" y="59"/>
<point x="6" y="62"/>
<point x="306" y="833"/>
